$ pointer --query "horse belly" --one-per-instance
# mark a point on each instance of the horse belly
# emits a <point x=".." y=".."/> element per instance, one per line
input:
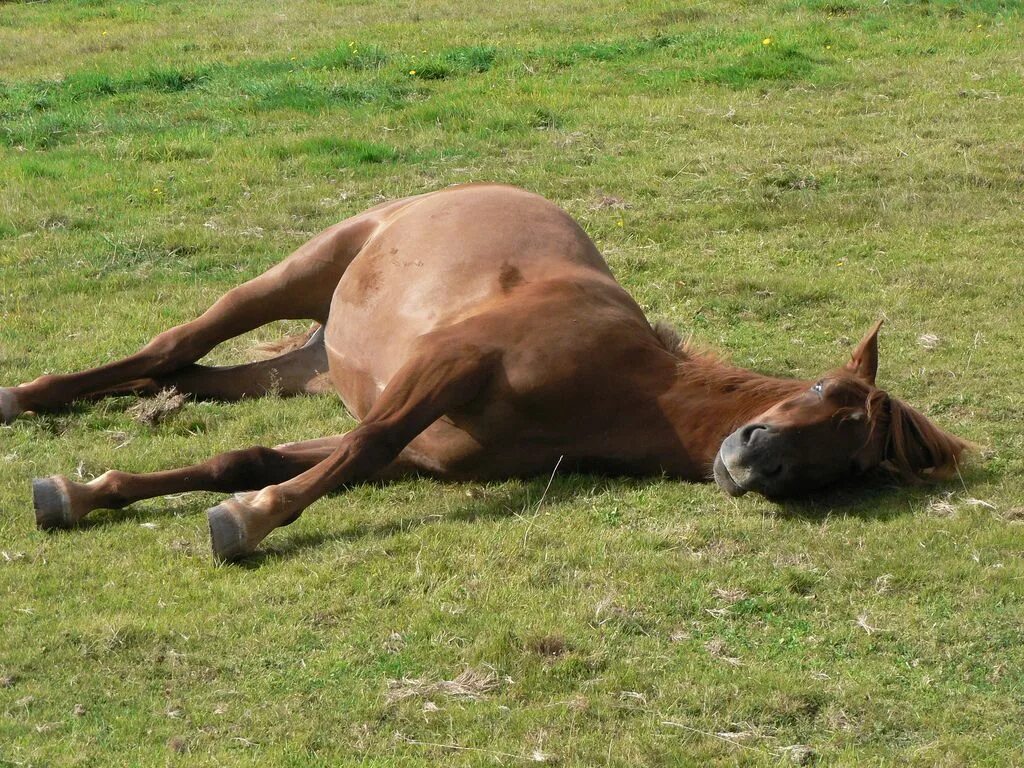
<point x="444" y="258"/>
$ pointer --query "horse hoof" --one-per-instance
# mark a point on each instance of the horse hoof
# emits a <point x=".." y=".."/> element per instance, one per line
<point x="52" y="504"/>
<point x="228" y="537"/>
<point x="9" y="408"/>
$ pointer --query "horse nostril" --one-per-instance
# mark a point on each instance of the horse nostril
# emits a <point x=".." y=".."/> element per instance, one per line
<point x="773" y="472"/>
<point x="748" y="432"/>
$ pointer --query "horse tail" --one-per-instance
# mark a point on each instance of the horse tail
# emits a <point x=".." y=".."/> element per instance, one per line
<point x="287" y="344"/>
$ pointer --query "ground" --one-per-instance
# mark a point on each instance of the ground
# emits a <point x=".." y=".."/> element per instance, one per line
<point x="771" y="177"/>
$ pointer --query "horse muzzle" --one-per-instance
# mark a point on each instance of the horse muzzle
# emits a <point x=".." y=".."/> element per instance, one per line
<point x="748" y="461"/>
<point x="724" y="479"/>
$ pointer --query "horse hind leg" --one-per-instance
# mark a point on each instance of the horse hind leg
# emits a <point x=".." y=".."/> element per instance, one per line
<point x="296" y="372"/>
<point x="300" y="287"/>
<point x="266" y="298"/>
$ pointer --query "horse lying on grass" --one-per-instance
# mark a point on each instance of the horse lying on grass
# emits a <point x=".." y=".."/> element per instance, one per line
<point x="477" y="333"/>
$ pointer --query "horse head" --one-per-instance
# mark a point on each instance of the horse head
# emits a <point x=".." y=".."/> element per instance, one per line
<point x="838" y="428"/>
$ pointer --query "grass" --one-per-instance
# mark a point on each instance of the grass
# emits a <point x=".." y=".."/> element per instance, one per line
<point x="772" y="199"/>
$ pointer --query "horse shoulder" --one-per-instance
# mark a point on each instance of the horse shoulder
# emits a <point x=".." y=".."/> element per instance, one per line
<point x="579" y="374"/>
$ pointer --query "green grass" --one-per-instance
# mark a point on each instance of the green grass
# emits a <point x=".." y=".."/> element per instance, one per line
<point x="778" y="199"/>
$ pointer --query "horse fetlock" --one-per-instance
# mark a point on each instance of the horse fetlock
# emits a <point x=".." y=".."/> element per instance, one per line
<point x="57" y="503"/>
<point x="108" y="490"/>
<point x="268" y="500"/>
<point x="10" y="408"/>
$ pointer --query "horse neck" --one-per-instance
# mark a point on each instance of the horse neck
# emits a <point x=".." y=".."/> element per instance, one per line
<point x="710" y="399"/>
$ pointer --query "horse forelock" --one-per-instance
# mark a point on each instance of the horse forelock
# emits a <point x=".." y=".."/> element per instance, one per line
<point x="914" y="446"/>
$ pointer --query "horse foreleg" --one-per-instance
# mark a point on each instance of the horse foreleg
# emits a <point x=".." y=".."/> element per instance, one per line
<point x="444" y="375"/>
<point x="61" y="503"/>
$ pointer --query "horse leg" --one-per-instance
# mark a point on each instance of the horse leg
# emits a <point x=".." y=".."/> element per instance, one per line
<point x="61" y="503"/>
<point x="293" y="373"/>
<point x="300" y="287"/>
<point x="445" y="374"/>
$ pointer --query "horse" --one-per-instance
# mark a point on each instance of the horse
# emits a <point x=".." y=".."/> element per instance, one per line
<point x="475" y="332"/>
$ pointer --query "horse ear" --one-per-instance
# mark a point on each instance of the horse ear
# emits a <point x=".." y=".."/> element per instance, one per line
<point x="864" y="360"/>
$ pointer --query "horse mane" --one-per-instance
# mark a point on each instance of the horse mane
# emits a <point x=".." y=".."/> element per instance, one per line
<point x="668" y="337"/>
<point x="683" y="348"/>
<point x="915" y="447"/>
<point x="709" y="368"/>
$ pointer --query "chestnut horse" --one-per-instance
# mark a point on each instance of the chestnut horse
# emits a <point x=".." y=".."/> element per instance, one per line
<point x="476" y="333"/>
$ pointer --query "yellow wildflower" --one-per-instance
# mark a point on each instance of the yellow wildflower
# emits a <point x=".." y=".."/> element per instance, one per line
<point x="766" y="41"/>
<point x="412" y="71"/>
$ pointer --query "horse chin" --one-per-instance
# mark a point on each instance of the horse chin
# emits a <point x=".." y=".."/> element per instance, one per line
<point x="724" y="479"/>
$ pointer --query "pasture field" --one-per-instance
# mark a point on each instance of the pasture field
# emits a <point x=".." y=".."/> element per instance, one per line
<point x="771" y="177"/>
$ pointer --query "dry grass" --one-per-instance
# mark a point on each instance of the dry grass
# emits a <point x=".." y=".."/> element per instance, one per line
<point x="717" y="649"/>
<point x="471" y="684"/>
<point x="153" y="410"/>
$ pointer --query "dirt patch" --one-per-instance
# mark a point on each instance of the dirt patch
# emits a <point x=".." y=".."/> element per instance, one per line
<point x="547" y="645"/>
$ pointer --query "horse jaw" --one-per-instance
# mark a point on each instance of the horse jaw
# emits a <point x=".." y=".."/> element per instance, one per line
<point x="724" y="479"/>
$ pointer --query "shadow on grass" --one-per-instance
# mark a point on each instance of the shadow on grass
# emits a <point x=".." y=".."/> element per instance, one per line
<point x="104" y="518"/>
<point x="876" y="497"/>
<point x="509" y="502"/>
